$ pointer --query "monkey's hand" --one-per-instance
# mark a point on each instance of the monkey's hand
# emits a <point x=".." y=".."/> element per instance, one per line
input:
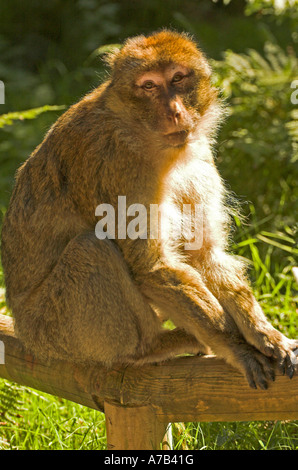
<point x="257" y="368"/>
<point x="283" y="350"/>
<point x="259" y="332"/>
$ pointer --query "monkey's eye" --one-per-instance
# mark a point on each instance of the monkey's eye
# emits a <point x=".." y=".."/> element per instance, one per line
<point x="148" y="85"/>
<point x="178" y="78"/>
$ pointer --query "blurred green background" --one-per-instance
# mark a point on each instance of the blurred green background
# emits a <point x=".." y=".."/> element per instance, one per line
<point x="48" y="54"/>
<point x="50" y="57"/>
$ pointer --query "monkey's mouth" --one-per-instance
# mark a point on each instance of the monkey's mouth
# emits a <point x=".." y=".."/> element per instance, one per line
<point x="176" y="138"/>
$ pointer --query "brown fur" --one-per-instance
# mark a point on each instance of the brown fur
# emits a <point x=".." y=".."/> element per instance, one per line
<point x="85" y="299"/>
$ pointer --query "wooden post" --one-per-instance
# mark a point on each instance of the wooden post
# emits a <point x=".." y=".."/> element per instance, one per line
<point x="134" y="428"/>
<point x="139" y="402"/>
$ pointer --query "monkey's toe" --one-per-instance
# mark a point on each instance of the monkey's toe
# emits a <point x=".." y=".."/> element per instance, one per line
<point x="287" y="358"/>
<point x="259" y="370"/>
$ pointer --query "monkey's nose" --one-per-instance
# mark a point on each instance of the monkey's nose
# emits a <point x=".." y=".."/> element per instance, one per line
<point x="176" y="117"/>
<point x="174" y="113"/>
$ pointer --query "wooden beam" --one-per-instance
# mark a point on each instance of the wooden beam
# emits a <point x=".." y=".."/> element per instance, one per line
<point x="74" y="382"/>
<point x="135" y="427"/>
<point x="183" y="389"/>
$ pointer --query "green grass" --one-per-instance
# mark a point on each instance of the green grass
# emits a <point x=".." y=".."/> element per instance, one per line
<point x="269" y="435"/>
<point x="36" y="421"/>
<point x="33" y="420"/>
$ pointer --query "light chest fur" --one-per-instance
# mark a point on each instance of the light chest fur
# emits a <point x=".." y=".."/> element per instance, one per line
<point x="193" y="205"/>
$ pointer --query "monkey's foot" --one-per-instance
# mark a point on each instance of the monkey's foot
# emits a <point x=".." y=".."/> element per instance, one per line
<point x="257" y="368"/>
<point x="287" y="356"/>
<point x="275" y="345"/>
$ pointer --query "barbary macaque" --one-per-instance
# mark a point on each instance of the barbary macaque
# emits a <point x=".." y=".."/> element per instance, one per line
<point x="144" y="136"/>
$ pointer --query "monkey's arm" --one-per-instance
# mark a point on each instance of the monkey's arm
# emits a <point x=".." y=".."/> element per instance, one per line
<point x="182" y="294"/>
<point x="225" y="278"/>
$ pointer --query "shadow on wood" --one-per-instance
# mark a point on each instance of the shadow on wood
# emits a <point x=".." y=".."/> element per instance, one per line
<point x="139" y="402"/>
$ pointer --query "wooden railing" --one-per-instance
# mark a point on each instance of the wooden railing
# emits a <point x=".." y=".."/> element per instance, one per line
<point x="139" y="402"/>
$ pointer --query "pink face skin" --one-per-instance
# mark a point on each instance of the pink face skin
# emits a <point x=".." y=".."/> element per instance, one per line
<point x="166" y="85"/>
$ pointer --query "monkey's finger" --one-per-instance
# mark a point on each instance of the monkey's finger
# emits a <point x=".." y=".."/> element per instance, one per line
<point x="287" y="366"/>
<point x="250" y="380"/>
<point x="260" y="379"/>
<point x="264" y="368"/>
<point x="294" y="344"/>
<point x="256" y="375"/>
<point x="290" y="365"/>
<point x="268" y="368"/>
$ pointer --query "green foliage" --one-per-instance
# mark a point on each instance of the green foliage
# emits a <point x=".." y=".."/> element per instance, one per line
<point x="272" y="7"/>
<point x="271" y="257"/>
<point x="270" y="435"/>
<point x="8" y="148"/>
<point x="35" y="421"/>
<point x="258" y="144"/>
<point x="102" y="51"/>
<point x="10" y="401"/>
<point x="9" y="118"/>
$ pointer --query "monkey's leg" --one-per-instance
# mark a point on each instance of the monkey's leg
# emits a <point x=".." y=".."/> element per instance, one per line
<point x="170" y="343"/>
<point x="187" y="301"/>
<point x="231" y="288"/>
<point x="89" y="309"/>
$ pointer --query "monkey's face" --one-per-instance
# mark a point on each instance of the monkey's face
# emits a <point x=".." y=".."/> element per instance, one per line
<point x="160" y="88"/>
<point x="165" y="101"/>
